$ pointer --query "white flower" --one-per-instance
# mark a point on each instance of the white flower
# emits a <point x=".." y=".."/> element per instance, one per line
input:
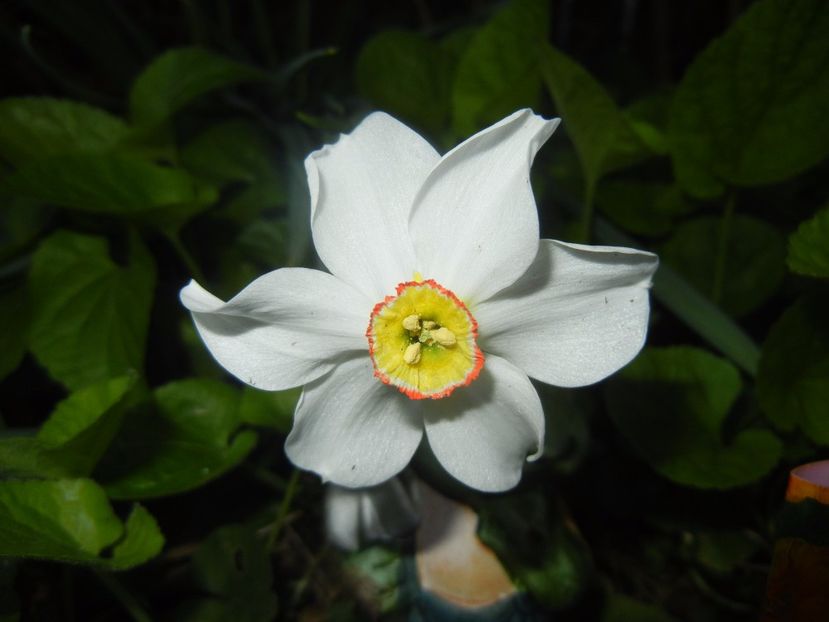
<point x="439" y="287"/>
<point x="356" y="517"/>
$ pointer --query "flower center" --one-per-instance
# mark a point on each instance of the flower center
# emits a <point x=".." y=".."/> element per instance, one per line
<point x="424" y="341"/>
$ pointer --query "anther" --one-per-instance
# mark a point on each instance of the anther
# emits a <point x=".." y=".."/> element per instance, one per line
<point x="411" y="323"/>
<point x="444" y="337"/>
<point x="412" y="354"/>
<point x="429" y="324"/>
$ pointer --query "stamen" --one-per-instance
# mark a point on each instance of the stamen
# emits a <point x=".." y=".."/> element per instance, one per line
<point x="444" y="337"/>
<point x="412" y="354"/>
<point x="429" y="324"/>
<point x="411" y="323"/>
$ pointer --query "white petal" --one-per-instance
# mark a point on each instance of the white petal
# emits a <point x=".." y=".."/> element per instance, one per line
<point x="357" y="516"/>
<point x="353" y="430"/>
<point x="286" y="328"/>
<point x="482" y="434"/>
<point x="474" y="223"/>
<point x="362" y="190"/>
<point x="342" y="516"/>
<point x="579" y="313"/>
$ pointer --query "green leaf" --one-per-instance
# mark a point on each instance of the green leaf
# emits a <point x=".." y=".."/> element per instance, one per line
<point x="189" y="437"/>
<point x="39" y="127"/>
<point x="233" y="565"/>
<point x="111" y="184"/>
<point x="648" y="117"/>
<point x="793" y="380"/>
<point x="541" y="552"/>
<point x="90" y="315"/>
<point x="73" y="439"/>
<point x="809" y="246"/>
<point x="753" y="264"/>
<point x="642" y="207"/>
<point x="408" y="76"/>
<point x="72" y="521"/>
<point x="671" y="405"/>
<point x="498" y="72"/>
<point x="270" y="409"/>
<point x="179" y="76"/>
<point x="14" y="318"/>
<point x="751" y="108"/>
<point x="231" y="151"/>
<point x="601" y="134"/>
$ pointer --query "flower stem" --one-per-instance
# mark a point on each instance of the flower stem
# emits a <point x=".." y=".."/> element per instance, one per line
<point x="185" y="256"/>
<point x="123" y="596"/>
<point x="722" y="251"/>
<point x="284" y="508"/>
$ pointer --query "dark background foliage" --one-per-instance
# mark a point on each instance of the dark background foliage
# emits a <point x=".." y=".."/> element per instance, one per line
<point x="143" y="144"/>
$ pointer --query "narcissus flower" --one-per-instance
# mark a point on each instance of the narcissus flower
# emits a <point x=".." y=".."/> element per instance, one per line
<point x="440" y="303"/>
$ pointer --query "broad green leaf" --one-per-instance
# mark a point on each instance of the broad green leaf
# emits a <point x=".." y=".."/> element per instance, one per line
<point x="89" y="314"/>
<point x="809" y="246"/>
<point x="753" y="264"/>
<point x="250" y="203"/>
<point x="380" y="569"/>
<point x="721" y="550"/>
<point x="231" y="151"/>
<point x="498" y="72"/>
<point x="264" y="242"/>
<point x="541" y="552"/>
<point x="692" y="308"/>
<point x="179" y="76"/>
<point x="39" y="127"/>
<point x="72" y="521"/>
<point x="642" y="207"/>
<point x="188" y="437"/>
<point x="75" y="436"/>
<point x="119" y="185"/>
<point x="232" y="565"/>
<point x="14" y="320"/>
<point x="408" y="76"/>
<point x="751" y="109"/>
<point x="601" y="134"/>
<point x="270" y="409"/>
<point x="671" y="405"/>
<point x="793" y="380"/>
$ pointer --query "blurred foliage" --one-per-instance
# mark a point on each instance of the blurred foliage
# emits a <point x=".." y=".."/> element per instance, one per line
<point x="143" y="145"/>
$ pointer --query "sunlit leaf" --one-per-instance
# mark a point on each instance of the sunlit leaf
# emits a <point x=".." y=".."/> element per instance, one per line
<point x="498" y="72"/>
<point x="179" y="76"/>
<point x="793" y="380"/>
<point x="408" y="76"/>
<point x="89" y="314"/>
<point x="809" y="246"/>
<point x="753" y="264"/>
<point x="751" y="108"/>
<point x="121" y="185"/>
<point x="671" y="404"/>
<point x="187" y="437"/>
<point x="72" y="521"/>
<point x="39" y="127"/>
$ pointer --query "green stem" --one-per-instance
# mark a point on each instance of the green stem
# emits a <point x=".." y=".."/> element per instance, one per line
<point x="284" y="508"/>
<point x="722" y="250"/>
<point x="123" y="596"/>
<point x="185" y="256"/>
<point x="586" y="223"/>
